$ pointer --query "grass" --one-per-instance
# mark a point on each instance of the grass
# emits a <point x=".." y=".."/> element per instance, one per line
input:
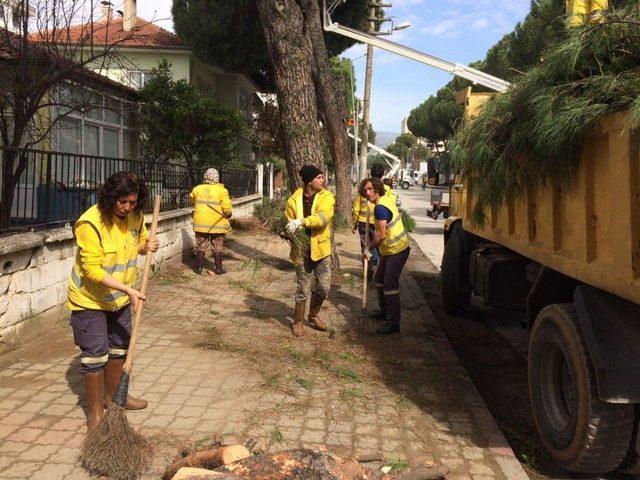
<point x="303" y="382"/>
<point x="347" y="374"/>
<point x="173" y="279"/>
<point x="403" y="403"/>
<point x="272" y="381"/>
<point x="301" y="359"/>
<point x="351" y="394"/>
<point x="243" y="285"/>
<point x="277" y="435"/>
<point x="396" y="466"/>
<point x="350" y="357"/>
<point x="526" y="449"/>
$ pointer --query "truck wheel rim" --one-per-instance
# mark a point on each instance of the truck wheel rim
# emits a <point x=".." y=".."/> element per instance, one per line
<point x="556" y="386"/>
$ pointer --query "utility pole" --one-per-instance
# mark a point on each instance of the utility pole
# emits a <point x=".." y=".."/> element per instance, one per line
<point x="364" y="150"/>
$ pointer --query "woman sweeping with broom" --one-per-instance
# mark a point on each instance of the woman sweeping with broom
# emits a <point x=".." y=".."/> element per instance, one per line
<point x="110" y="236"/>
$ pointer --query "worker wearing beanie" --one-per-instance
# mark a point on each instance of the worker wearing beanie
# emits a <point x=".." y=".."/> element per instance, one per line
<point x="211" y="214"/>
<point x="110" y="236"/>
<point x="311" y="208"/>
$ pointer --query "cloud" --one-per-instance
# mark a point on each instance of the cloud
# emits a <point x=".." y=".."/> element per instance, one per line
<point x="479" y="24"/>
<point x="449" y="27"/>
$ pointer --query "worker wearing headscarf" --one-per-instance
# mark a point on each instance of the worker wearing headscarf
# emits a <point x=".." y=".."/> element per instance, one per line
<point x="211" y="214"/>
<point x="309" y="212"/>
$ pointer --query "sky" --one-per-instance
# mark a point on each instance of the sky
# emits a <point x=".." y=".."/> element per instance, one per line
<point x="460" y="31"/>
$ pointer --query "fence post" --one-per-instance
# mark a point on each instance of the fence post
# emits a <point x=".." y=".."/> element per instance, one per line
<point x="260" y="179"/>
<point x="271" y="180"/>
<point x="49" y="200"/>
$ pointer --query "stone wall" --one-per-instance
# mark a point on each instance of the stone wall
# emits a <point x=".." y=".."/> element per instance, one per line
<point x="35" y="270"/>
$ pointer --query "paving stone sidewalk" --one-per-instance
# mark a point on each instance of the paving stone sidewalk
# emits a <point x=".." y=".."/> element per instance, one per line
<point x="216" y="356"/>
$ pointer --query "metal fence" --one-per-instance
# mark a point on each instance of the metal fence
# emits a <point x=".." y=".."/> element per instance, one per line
<point x="56" y="187"/>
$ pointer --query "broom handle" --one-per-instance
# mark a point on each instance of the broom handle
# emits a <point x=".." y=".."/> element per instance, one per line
<point x="143" y="290"/>
<point x="365" y="267"/>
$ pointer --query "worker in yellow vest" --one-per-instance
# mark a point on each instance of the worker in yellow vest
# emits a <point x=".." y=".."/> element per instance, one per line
<point x="393" y="243"/>
<point x="211" y="214"/>
<point x="110" y="236"/>
<point x="363" y="210"/>
<point x="582" y="12"/>
<point x="310" y="211"/>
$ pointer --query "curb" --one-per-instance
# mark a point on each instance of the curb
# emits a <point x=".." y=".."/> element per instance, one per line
<point x="500" y="449"/>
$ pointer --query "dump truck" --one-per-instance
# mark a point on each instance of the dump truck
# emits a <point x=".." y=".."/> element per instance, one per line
<point x="569" y="258"/>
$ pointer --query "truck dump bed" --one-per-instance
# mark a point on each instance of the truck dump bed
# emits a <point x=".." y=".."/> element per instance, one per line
<point x="590" y="231"/>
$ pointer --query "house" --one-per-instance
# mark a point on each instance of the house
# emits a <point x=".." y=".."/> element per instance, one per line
<point x="11" y="15"/>
<point x="140" y="45"/>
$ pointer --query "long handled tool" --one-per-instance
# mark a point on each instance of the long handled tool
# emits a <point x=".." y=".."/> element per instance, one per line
<point x="120" y="397"/>
<point x="114" y="449"/>
<point x="364" y="321"/>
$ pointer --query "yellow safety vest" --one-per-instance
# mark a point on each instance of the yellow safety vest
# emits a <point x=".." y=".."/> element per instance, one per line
<point x="118" y="248"/>
<point x="212" y="208"/>
<point x="396" y="239"/>
<point x="319" y="222"/>
<point x="582" y="12"/>
<point x="361" y="206"/>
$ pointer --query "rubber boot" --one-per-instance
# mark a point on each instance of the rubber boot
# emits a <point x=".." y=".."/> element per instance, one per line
<point x="218" y="270"/>
<point x="199" y="263"/>
<point x="298" y="328"/>
<point x="94" y="397"/>
<point x="112" y="378"/>
<point x="389" y="327"/>
<point x="314" y="319"/>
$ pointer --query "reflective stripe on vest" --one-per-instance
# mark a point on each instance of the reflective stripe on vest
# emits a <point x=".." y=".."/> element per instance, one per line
<point x="396" y="239"/>
<point x="366" y="211"/>
<point x="119" y="244"/>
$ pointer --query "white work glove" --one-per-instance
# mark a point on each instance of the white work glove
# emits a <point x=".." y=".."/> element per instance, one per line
<point x="293" y="225"/>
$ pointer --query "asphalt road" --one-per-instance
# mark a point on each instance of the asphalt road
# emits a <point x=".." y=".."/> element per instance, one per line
<point x="493" y="348"/>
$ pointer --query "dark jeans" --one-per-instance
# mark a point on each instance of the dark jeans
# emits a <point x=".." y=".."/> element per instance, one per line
<point x="387" y="281"/>
<point x="100" y="335"/>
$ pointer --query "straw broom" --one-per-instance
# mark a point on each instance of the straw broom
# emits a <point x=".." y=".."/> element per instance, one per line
<point x="114" y="448"/>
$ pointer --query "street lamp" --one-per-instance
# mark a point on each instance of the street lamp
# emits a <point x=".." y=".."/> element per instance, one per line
<point x="364" y="144"/>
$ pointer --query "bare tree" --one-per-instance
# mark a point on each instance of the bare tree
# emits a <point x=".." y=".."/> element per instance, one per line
<point x="53" y="54"/>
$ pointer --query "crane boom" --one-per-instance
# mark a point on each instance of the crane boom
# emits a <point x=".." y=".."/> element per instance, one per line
<point x="473" y="75"/>
<point x="394" y="167"/>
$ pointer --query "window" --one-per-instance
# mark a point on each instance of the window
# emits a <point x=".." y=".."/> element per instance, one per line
<point x="138" y="78"/>
<point x="104" y="130"/>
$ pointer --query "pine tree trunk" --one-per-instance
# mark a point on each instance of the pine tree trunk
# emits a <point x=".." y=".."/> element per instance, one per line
<point x="331" y="105"/>
<point x="290" y="53"/>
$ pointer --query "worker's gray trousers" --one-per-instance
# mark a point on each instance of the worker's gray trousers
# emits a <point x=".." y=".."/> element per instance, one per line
<point x="101" y="335"/>
<point x="318" y="273"/>
<point x="387" y="281"/>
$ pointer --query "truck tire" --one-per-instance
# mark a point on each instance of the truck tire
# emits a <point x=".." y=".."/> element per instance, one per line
<point x="404" y="185"/>
<point x="456" y="289"/>
<point x="582" y="433"/>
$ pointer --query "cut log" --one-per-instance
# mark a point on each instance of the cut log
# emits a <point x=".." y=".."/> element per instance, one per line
<point x="208" y="459"/>
<point x="301" y="464"/>
<point x="190" y="473"/>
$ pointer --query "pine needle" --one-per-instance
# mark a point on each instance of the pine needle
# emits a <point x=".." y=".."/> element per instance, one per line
<point x="532" y="136"/>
